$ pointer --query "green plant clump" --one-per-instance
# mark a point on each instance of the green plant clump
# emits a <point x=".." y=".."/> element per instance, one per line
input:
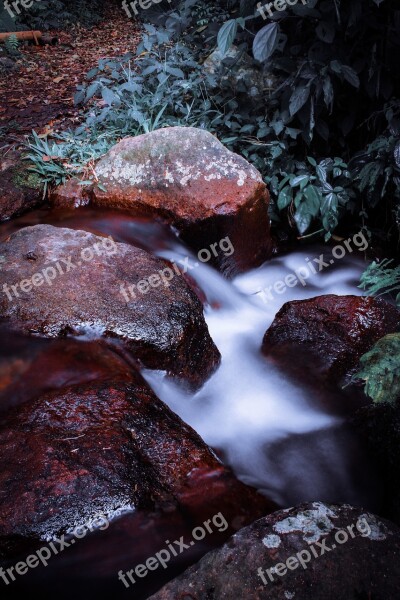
<point x="382" y="278"/>
<point x="310" y="99"/>
<point x="380" y="369"/>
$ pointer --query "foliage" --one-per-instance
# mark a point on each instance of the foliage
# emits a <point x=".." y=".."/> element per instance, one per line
<point x="54" y="162"/>
<point x="53" y="14"/>
<point x="381" y="278"/>
<point x="380" y="369"/>
<point x="319" y="83"/>
<point x="12" y="44"/>
<point x="336" y="95"/>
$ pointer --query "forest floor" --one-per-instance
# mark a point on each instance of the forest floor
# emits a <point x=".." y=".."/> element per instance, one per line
<point x="38" y="92"/>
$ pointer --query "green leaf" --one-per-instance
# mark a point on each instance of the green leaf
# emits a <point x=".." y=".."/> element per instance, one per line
<point x="285" y="197"/>
<point x="108" y="96"/>
<point x="300" y="180"/>
<point x="351" y="76"/>
<point x="380" y="369"/>
<point x="298" y="99"/>
<point x="328" y="92"/>
<point x="265" y="42"/>
<point x="325" y="30"/>
<point x="313" y="199"/>
<point x="91" y="91"/>
<point x="303" y="217"/>
<point x="226" y="36"/>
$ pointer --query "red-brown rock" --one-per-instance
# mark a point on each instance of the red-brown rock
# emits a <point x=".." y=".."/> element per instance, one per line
<point x="31" y="366"/>
<point x="20" y="189"/>
<point x="343" y="566"/>
<point x="102" y="448"/>
<point x="162" y="325"/>
<point x="325" y="337"/>
<point x="187" y="178"/>
<point x="71" y="194"/>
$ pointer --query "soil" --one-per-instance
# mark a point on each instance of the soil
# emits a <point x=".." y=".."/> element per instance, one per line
<point x="37" y="93"/>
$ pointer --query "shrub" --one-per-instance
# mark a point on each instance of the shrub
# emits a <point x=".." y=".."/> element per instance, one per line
<point x="323" y="131"/>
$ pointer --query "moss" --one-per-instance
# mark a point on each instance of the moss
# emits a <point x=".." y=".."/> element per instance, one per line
<point x="27" y="179"/>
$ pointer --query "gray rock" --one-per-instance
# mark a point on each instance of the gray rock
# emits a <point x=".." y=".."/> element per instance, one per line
<point x="187" y="178"/>
<point x="318" y="551"/>
<point x="68" y="282"/>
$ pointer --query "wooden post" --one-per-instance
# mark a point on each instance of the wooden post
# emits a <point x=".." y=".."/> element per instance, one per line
<point x="22" y="35"/>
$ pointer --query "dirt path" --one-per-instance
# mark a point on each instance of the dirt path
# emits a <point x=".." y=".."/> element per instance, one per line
<point x="38" y="93"/>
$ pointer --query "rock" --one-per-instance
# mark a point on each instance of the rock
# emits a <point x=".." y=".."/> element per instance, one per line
<point x="70" y="194"/>
<point x="32" y="366"/>
<point x="20" y="189"/>
<point x="101" y="560"/>
<point x="6" y="64"/>
<point x="237" y="71"/>
<point x="76" y="290"/>
<point x="187" y="178"/>
<point x="103" y="448"/>
<point x="325" y="337"/>
<point x="318" y="551"/>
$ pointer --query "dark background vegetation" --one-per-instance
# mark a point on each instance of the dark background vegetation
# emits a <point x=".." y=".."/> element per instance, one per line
<point x="310" y="97"/>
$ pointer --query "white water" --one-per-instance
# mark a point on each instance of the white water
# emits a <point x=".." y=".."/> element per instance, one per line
<point x="274" y="434"/>
<point x="270" y="431"/>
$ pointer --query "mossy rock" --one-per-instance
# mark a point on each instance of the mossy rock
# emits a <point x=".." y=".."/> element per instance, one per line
<point x="23" y="178"/>
<point x="20" y="188"/>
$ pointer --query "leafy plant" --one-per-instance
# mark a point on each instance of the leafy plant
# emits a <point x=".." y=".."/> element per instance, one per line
<point x="53" y="14"/>
<point x="380" y="369"/>
<point x="12" y="44"/>
<point x="309" y="99"/>
<point x="72" y="155"/>
<point x="381" y="278"/>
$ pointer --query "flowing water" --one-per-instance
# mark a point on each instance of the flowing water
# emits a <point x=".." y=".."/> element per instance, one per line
<point x="275" y="434"/>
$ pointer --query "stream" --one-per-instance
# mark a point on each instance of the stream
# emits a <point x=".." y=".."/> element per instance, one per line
<point x="276" y="435"/>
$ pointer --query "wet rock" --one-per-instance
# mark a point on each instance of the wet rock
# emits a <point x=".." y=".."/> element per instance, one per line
<point x="96" y="563"/>
<point x="20" y="189"/>
<point x="32" y="366"/>
<point x="325" y="337"/>
<point x="317" y="551"/>
<point x="70" y="194"/>
<point x="238" y="72"/>
<point x="68" y="282"/>
<point x="104" y="448"/>
<point x="187" y="178"/>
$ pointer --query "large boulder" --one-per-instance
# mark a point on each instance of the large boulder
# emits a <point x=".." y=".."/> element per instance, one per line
<point x="56" y="282"/>
<point x="104" y="448"/>
<point x="324" y="338"/>
<point x="313" y="551"/>
<point x="187" y="178"/>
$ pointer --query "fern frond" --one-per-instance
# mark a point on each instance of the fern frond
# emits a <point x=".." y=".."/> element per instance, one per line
<point x="381" y="278"/>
